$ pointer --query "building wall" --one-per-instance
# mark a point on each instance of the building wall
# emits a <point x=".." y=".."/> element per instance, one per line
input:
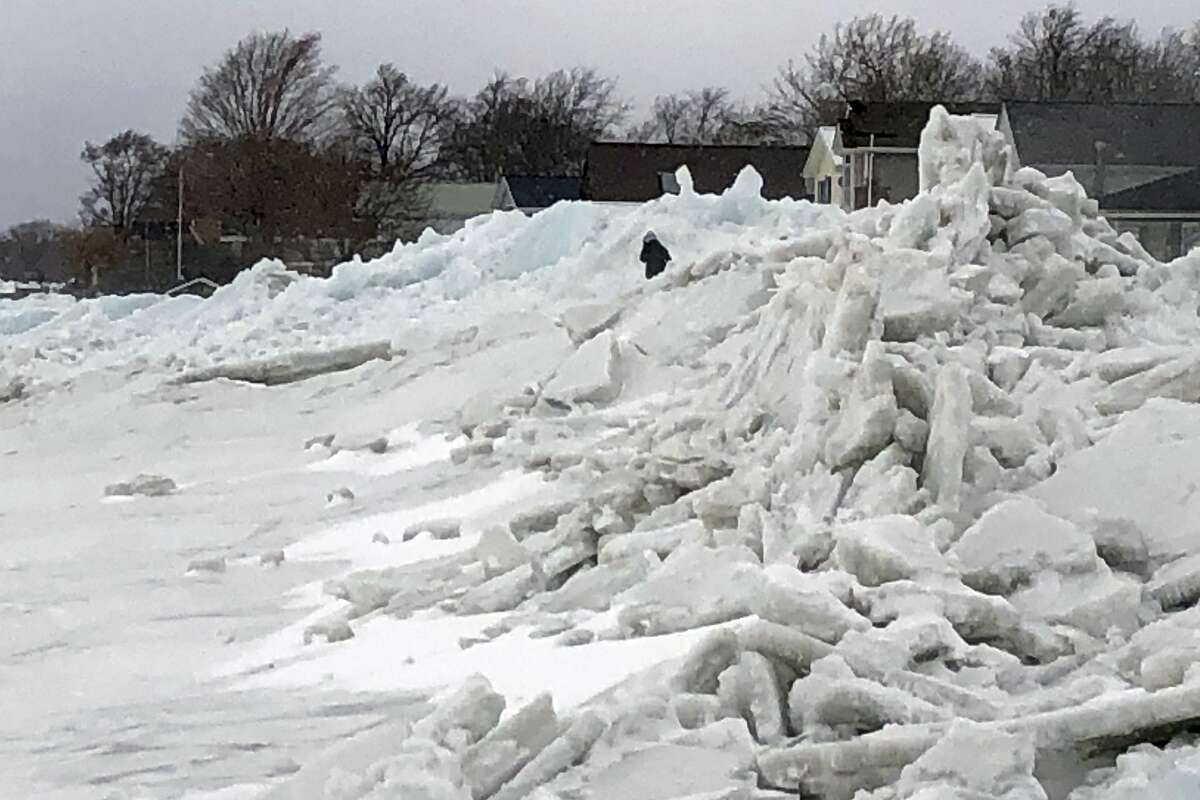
<point x="893" y="176"/>
<point x="1165" y="239"/>
<point x="823" y="167"/>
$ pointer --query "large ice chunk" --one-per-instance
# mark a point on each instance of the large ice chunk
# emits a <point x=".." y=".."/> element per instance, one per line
<point x="590" y="374"/>
<point x="887" y="549"/>
<point x="948" y="436"/>
<point x="1016" y="539"/>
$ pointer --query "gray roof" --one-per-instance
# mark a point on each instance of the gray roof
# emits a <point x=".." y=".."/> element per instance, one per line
<point x="534" y="191"/>
<point x="1160" y="134"/>
<point x="1175" y="194"/>
<point x="897" y="124"/>
<point x="460" y="199"/>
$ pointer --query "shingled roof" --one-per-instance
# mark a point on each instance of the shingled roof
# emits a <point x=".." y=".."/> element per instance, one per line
<point x="897" y="124"/>
<point x="630" y="171"/>
<point x="1175" y="194"/>
<point x="533" y="191"/>
<point x="1161" y="134"/>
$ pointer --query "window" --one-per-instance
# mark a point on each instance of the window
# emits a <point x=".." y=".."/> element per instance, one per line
<point x="668" y="183"/>
<point x="825" y="190"/>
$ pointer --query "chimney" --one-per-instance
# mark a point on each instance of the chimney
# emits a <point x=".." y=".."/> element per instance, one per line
<point x="1101" y="169"/>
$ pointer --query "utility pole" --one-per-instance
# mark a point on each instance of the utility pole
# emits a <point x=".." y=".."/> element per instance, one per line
<point x="179" y="232"/>
<point x="146" y="247"/>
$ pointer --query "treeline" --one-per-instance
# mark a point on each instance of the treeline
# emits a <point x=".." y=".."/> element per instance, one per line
<point x="272" y="146"/>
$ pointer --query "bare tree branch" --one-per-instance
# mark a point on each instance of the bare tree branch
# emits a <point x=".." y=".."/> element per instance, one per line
<point x="269" y="86"/>
<point x="541" y="128"/>
<point x="124" y="170"/>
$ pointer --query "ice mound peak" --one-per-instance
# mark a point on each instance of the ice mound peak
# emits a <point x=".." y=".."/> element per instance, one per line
<point x="950" y="146"/>
<point x="683" y="177"/>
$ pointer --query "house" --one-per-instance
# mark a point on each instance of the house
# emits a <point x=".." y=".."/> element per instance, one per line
<point x="1164" y="214"/>
<point x="871" y="153"/>
<point x="450" y="205"/>
<point x="1141" y="161"/>
<point x="824" y="167"/>
<point x="532" y="193"/>
<point x="633" y="172"/>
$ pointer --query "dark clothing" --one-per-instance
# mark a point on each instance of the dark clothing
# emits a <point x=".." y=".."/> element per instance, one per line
<point x="655" y="257"/>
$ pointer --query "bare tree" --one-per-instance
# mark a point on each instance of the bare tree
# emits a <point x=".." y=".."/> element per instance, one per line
<point x="796" y="106"/>
<point x="1171" y="67"/>
<point x="696" y="117"/>
<point x="28" y="248"/>
<point x="1056" y="55"/>
<point x="272" y="191"/>
<point x="92" y="251"/>
<point x="875" y="59"/>
<point x="887" y="59"/>
<point x="124" y="170"/>
<point x="1044" y="58"/>
<point x="402" y="125"/>
<point x="542" y="127"/>
<point x="269" y="86"/>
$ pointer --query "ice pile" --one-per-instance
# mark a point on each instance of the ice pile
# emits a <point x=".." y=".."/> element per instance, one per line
<point x="892" y="480"/>
<point x="271" y="321"/>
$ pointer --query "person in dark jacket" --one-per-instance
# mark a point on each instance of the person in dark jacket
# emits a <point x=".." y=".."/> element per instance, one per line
<point x="654" y="255"/>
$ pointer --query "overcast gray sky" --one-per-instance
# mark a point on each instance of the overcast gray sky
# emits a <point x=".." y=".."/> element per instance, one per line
<point x="72" y="70"/>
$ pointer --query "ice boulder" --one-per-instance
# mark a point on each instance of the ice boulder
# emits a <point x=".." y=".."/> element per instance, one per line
<point x="695" y="586"/>
<point x="1097" y="602"/>
<point x="970" y="761"/>
<point x="949" y="423"/>
<point x="951" y="146"/>
<point x="1015" y="540"/>
<point x="464" y="717"/>
<point x="750" y="689"/>
<point x="143" y="485"/>
<point x="1145" y="771"/>
<point x="499" y="756"/>
<point x="582" y="322"/>
<point x="589" y="375"/>
<point x="867" y="422"/>
<point x="796" y="599"/>
<point x="885" y="549"/>
<point x="832" y="703"/>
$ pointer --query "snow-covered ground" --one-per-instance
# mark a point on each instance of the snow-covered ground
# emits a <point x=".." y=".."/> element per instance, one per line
<point x="895" y="503"/>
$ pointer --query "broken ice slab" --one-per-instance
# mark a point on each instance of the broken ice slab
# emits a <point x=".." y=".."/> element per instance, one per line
<point x="1123" y="362"/>
<point x="1177" y="584"/>
<point x="463" y="718"/>
<point x="694" y="586"/>
<point x="811" y="608"/>
<point x="291" y="367"/>
<point x="589" y="375"/>
<point x="948" y="436"/>
<point x="662" y="541"/>
<point x="564" y="752"/>
<point x="1014" y="540"/>
<point x="750" y="689"/>
<point x="1108" y="724"/>
<point x="436" y="528"/>
<point x="144" y="485"/>
<point x="1176" y="379"/>
<point x="885" y="549"/>
<point x="501" y="754"/>
<point x="584" y="321"/>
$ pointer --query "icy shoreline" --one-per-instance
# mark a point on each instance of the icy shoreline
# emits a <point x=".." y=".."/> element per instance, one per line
<point x="892" y="503"/>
